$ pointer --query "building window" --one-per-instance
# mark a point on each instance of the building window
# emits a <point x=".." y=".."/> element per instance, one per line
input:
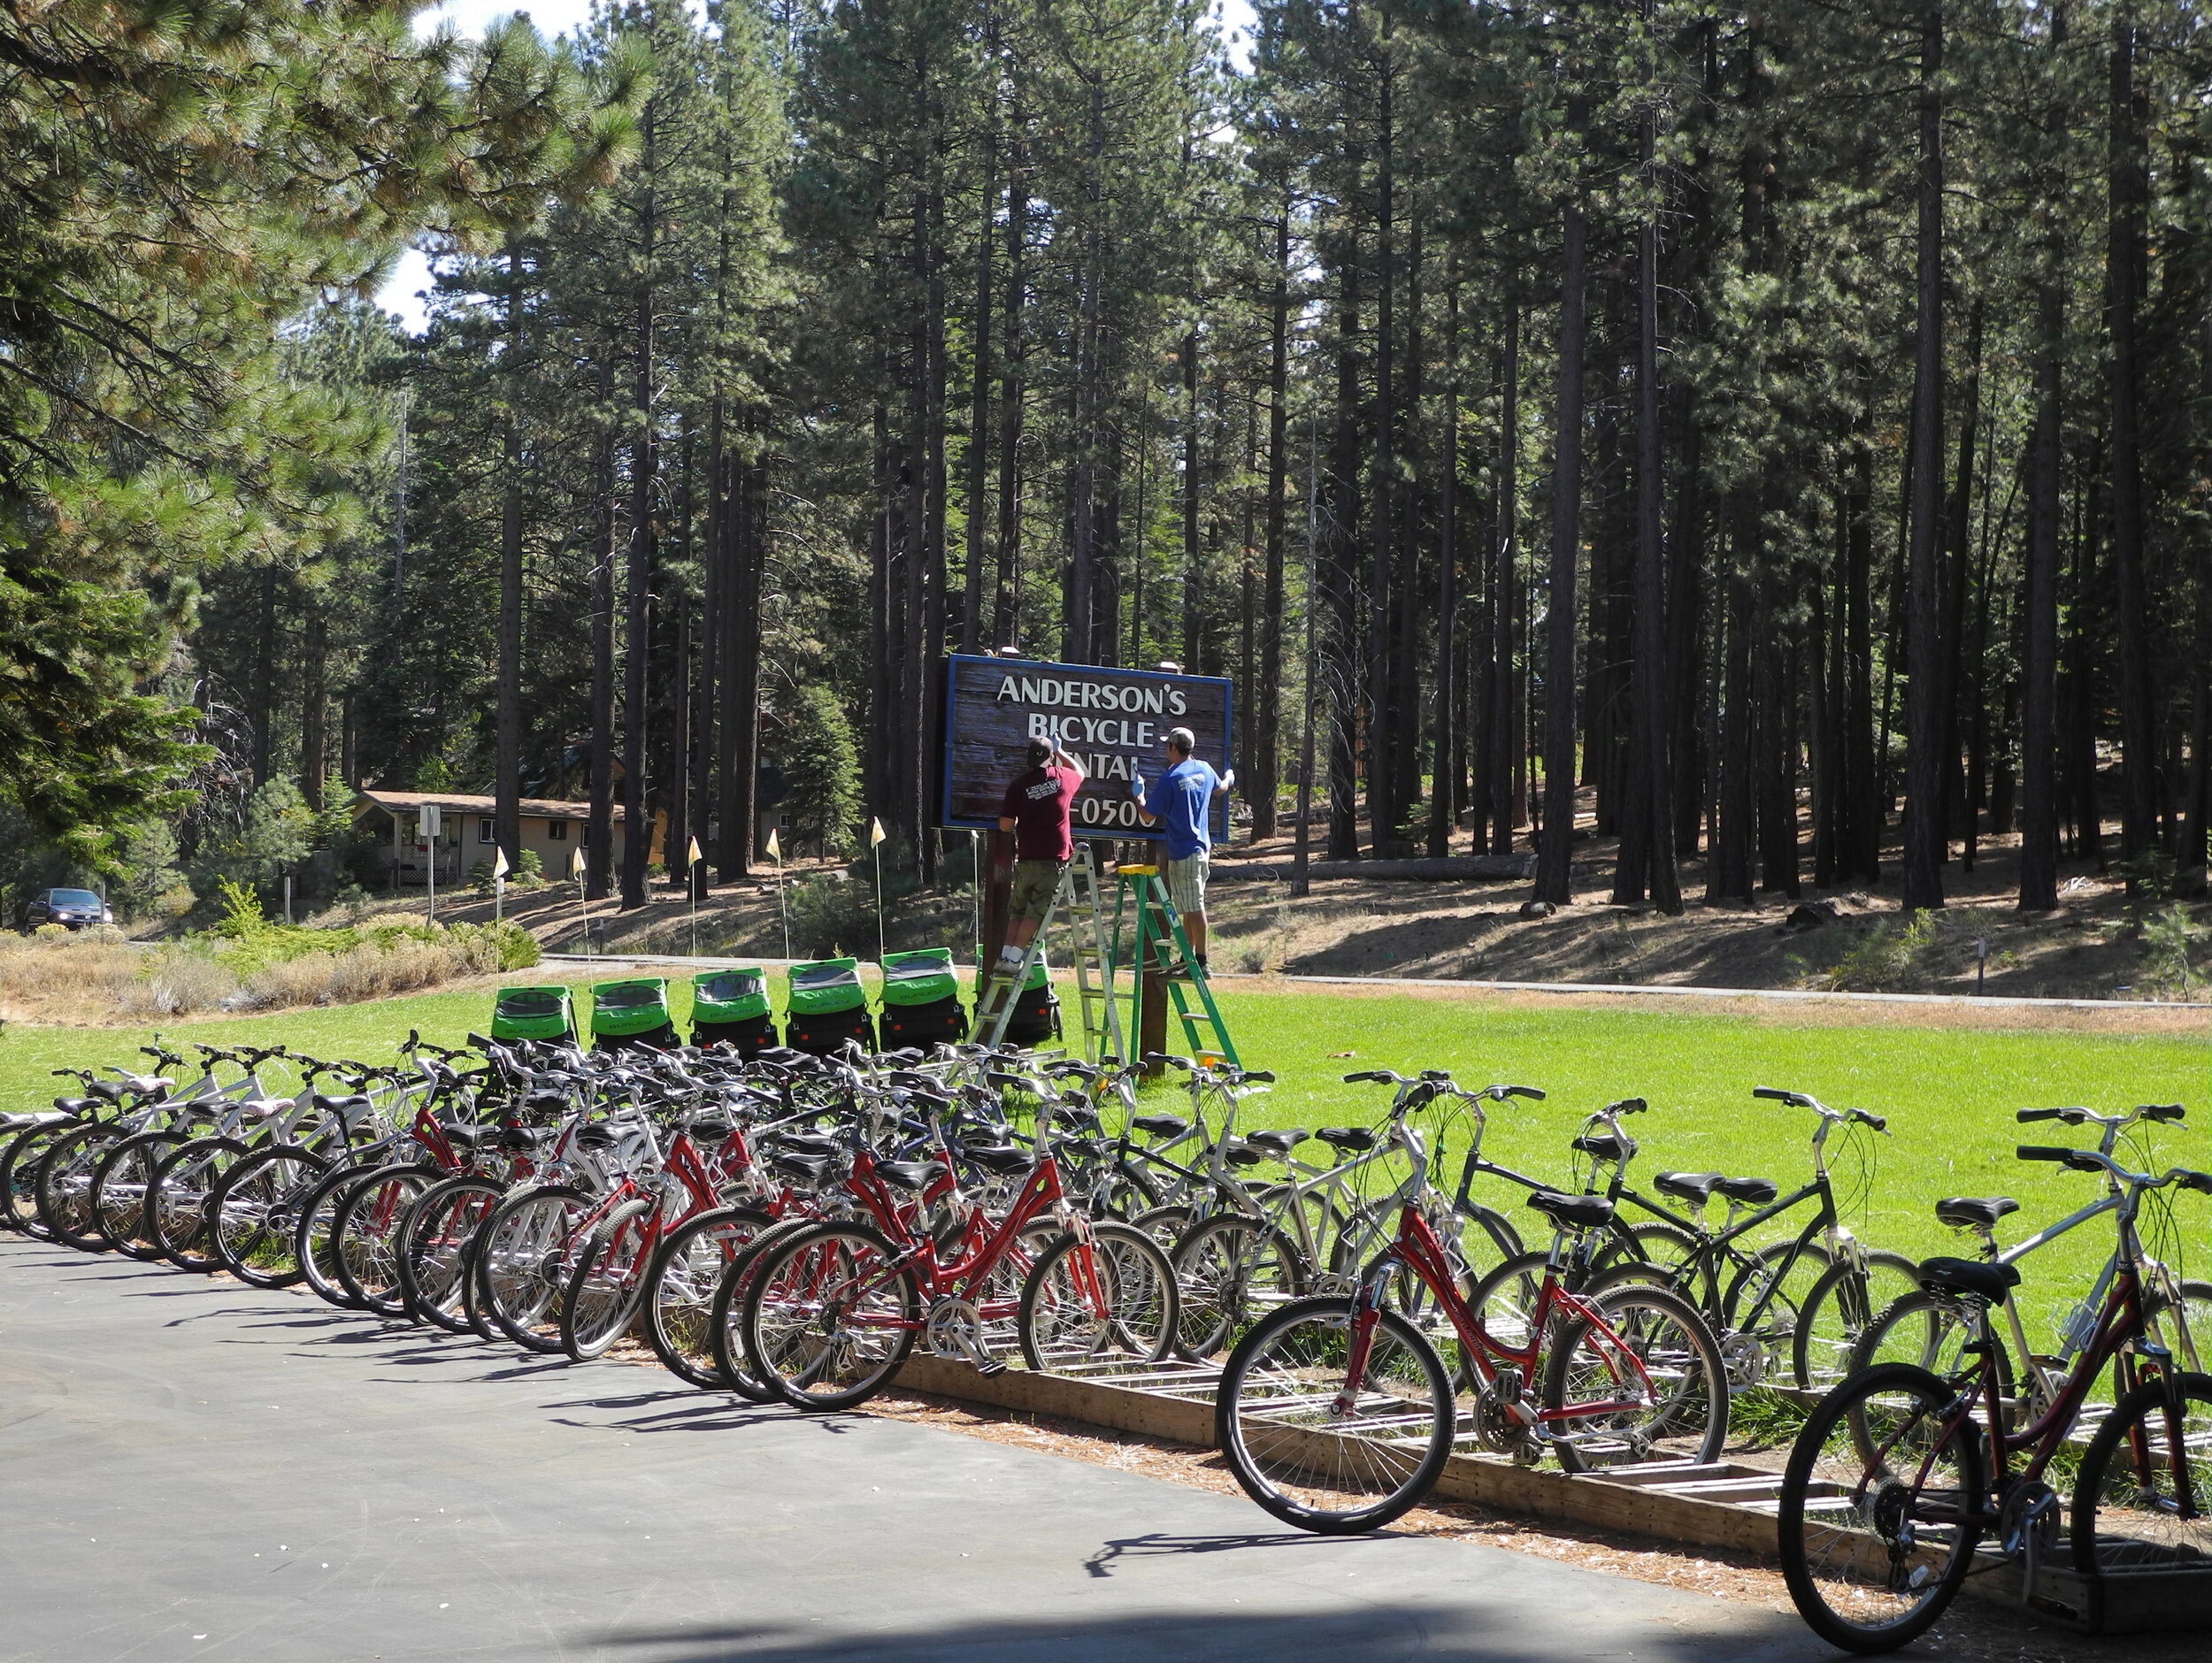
<point x="484" y="829"/>
<point x="557" y="830"/>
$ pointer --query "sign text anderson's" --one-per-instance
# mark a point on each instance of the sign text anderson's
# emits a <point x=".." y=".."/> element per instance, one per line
<point x="1111" y="721"/>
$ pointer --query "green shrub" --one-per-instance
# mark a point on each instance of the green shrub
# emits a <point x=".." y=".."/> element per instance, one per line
<point x="529" y="871"/>
<point x="1890" y="958"/>
<point x="2169" y="939"/>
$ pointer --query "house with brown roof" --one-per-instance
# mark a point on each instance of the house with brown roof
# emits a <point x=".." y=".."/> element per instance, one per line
<point x="468" y="832"/>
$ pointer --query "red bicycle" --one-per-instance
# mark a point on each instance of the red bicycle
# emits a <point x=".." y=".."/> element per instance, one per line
<point x="1338" y="1413"/>
<point x="833" y="1309"/>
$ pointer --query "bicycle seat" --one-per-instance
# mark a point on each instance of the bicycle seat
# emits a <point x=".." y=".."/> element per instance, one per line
<point x="546" y="1102"/>
<point x="80" y="1104"/>
<point x="1352" y="1140"/>
<point x="709" y="1131"/>
<point x="1605" y="1145"/>
<point x="148" y="1084"/>
<point x="908" y="1175"/>
<point x="36" y="1117"/>
<point x="1750" y="1191"/>
<point x="1280" y="1140"/>
<point x="1969" y="1276"/>
<point x="1572" y="1212"/>
<point x="519" y="1139"/>
<point x="1962" y="1212"/>
<point x="262" y="1108"/>
<point x="1243" y="1155"/>
<point x="800" y="1169"/>
<point x="463" y="1136"/>
<point x="330" y="1105"/>
<point x="806" y="1143"/>
<point x="1162" y="1125"/>
<point x="597" y="1137"/>
<point x="1000" y="1158"/>
<point x="1693" y="1187"/>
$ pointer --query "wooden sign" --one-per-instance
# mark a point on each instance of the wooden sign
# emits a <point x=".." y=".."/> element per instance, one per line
<point x="1111" y="721"/>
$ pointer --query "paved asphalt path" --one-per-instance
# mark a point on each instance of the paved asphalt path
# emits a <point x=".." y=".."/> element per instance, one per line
<point x="191" y="1468"/>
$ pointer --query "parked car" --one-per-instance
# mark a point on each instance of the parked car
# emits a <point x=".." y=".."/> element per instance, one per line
<point x="73" y="908"/>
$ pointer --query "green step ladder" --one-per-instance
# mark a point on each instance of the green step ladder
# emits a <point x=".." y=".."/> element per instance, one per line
<point x="1163" y="950"/>
<point x="1076" y="903"/>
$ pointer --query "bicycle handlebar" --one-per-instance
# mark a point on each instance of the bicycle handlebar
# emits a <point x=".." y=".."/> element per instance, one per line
<point x="2078" y="1160"/>
<point x="1776" y="1094"/>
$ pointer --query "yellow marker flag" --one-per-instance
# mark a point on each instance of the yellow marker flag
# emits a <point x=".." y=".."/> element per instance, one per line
<point x="696" y="857"/>
<point x="576" y="863"/>
<point x="875" y="831"/>
<point x="500" y="869"/>
<point x="775" y="850"/>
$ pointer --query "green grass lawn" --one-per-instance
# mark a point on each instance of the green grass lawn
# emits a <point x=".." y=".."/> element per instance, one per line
<point x="1948" y="1091"/>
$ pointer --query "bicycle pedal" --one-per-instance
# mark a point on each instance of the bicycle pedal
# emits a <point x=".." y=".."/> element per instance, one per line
<point x="990" y="1367"/>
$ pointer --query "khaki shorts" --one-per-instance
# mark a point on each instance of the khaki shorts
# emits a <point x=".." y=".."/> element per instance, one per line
<point x="1186" y="883"/>
<point x="1035" y="883"/>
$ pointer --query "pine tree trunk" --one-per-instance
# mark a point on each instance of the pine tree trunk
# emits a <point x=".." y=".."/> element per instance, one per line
<point x="1505" y="703"/>
<point x="599" y="828"/>
<point x="714" y="562"/>
<point x="1925" y="719"/>
<point x="644" y="459"/>
<point x="1383" y="721"/>
<point x="314" y="706"/>
<point x="1341" y="531"/>
<point x="262" y="718"/>
<point x="507" y="767"/>
<point x="1003" y="615"/>
<point x="1445" y="788"/>
<point x="1860" y="855"/>
<point x="2124" y="282"/>
<point x="1267" y="739"/>
<point x="1554" y="880"/>
<point x="1958" y="528"/>
<point x="978" y="460"/>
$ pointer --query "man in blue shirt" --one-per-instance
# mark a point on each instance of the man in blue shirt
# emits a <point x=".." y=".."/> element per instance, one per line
<point x="1182" y="803"/>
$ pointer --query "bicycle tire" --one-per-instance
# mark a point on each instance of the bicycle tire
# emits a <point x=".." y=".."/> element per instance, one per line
<point x="1671" y="1337"/>
<point x="363" y="1232"/>
<point x="1837" y="1311"/>
<point x="1827" y="1562"/>
<point x="608" y="1284"/>
<point x="314" y="1241"/>
<point x="2132" y="1513"/>
<point x="18" y="1176"/>
<point x="64" y="1186"/>
<point x="177" y="1196"/>
<point x="523" y="1262"/>
<point x="1060" y="1326"/>
<point x="252" y="1209"/>
<point x="1226" y="1267"/>
<point x="1930" y="1331"/>
<point x="1286" y="1417"/>
<point x="725" y="1336"/>
<point x="436" y="1244"/>
<point x="118" y="1190"/>
<point x="682" y="1286"/>
<point x="823" y="1269"/>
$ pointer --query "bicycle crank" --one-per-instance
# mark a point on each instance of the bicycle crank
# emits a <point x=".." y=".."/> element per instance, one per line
<point x="953" y="1330"/>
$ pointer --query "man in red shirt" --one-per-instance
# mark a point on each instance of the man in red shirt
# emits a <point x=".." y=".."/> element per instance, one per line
<point x="1035" y="810"/>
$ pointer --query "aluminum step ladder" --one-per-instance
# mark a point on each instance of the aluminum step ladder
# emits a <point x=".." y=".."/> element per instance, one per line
<point x="1076" y="903"/>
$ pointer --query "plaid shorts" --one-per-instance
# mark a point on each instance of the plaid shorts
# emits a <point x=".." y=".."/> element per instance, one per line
<point x="1186" y="883"/>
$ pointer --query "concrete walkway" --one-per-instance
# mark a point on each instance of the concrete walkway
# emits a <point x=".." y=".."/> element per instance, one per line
<point x="197" y="1469"/>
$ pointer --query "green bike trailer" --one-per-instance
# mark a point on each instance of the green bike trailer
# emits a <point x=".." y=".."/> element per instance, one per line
<point x="730" y="1008"/>
<point x="921" y="1000"/>
<point x="1035" y="1017"/>
<point x="534" y="1013"/>
<point x="827" y="1007"/>
<point x="631" y="1014"/>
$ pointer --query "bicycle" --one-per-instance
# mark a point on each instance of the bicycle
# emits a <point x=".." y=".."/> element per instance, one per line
<point x="1338" y="1413"/>
<point x="1893" y="1482"/>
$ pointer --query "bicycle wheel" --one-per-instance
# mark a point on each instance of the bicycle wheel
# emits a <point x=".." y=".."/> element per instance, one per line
<point x="524" y="1256"/>
<point x="608" y="1284"/>
<point x="1229" y="1269"/>
<point x="314" y="1239"/>
<point x="1838" y="1310"/>
<point x="726" y="1320"/>
<point x="1116" y="1304"/>
<point x="1874" y="1547"/>
<point x="679" y="1289"/>
<point x="252" y="1211"/>
<point x="1666" y="1249"/>
<point x="176" y="1198"/>
<point x="1118" y="1191"/>
<point x="364" y="1237"/>
<point x="1317" y="1446"/>
<point x="436" y="1237"/>
<point x="1931" y="1331"/>
<point x="2144" y="1500"/>
<point x="64" y="1186"/>
<point x="118" y="1190"/>
<point x="1761" y="1311"/>
<point x="1644" y="1382"/>
<point x="829" y="1316"/>
<point x="18" y="1175"/>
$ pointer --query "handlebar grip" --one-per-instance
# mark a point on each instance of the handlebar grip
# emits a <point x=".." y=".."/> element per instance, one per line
<point x="2201" y="1181"/>
<point x="1880" y="1123"/>
<point x="477" y="1042"/>
<point x="1361" y="1075"/>
<point x="1533" y="1093"/>
<point x="2040" y="1152"/>
<point x="1627" y="1105"/>
<point x="2028" y="1116"/>
<point x="2165" y="1114"/>
<point x="1265" y="1075"/>
<point x="1773" y="1094"/>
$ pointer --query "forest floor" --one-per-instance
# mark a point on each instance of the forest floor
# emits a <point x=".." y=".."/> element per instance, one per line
<point x="2098" y="944"/>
